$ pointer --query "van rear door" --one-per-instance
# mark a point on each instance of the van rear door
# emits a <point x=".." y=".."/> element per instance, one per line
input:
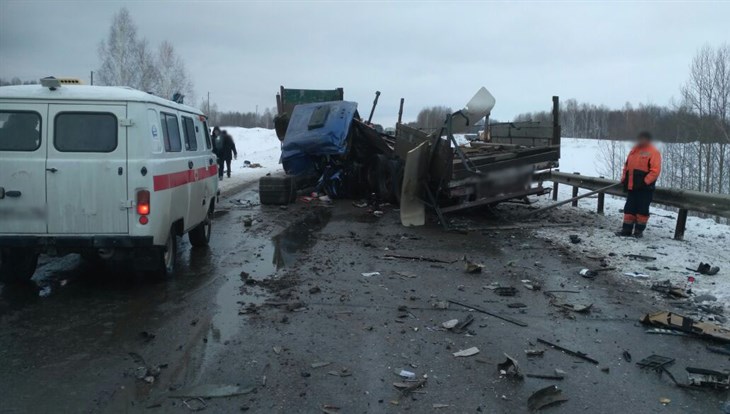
<point x="87" y="169"/>
<point x="23" y="168"/>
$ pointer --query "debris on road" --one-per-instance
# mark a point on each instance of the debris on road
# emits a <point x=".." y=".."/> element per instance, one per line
<point x="440" y="304"/>
<point x="505" y="291"/>
<point x="656" y="362"/>
<point x="627" y="356"/>
<point x="672" y="320"/>
<point x="546" y="377"/>
<point x="664" y="401"/>
<point x="406" y="374"/>
<point x="450" y="323"/>
<point x="471" y="267"/>
<point x="636" y="275"/>
<point x="708" y="378"/>
<point x="457" y="326"/>
<point x="467" y="352"/>
<point x="577" y="354"/>
<point x="534" y="352"/>
<point x="370" y="274"/>
<point x="510" y="368"/>
<point x="418" y="258"/>
<point x="545" y="397"/>
<point x="640" y="257"/>
<point x="668" y="289"/>
<point x="706" y="269"/>
<point x="504" y="318"/>
<point x="592" y="273"/>
<point x="319" y="364"/>
<point x="407" y="387"/>
<point x="212" y="391"/>
<point x="575" y="239"/>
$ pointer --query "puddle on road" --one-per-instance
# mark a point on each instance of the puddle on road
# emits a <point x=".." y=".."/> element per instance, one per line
<point x="297" y="237"/>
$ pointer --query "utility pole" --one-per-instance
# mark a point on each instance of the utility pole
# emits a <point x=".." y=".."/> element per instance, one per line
<point x="208" y="111"/>
<point x="92" y="77"/>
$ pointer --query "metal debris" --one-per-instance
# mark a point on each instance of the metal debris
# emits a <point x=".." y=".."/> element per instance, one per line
<point x="510" y="368"/>
<point x="504" y="318"/>
<point x="467" y="352"/>
<point x="577" y="354"/>
<point x="545" y="397"/>
<point x="656" y="362"/>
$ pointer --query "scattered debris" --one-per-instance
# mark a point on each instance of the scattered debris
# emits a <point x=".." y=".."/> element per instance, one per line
<point x="516" y="305"/>
<point x="592" y="273"/>
<point x="370" y="274"/>
<point x="277" y="350"/>
<point x="534" y="352"/>
<point x="636" y="275"/>
<point x="440" y="304"/>
<point x="664" y="400"/>
<point x="504" y="318"/>
<point x="640" y="257"/>
<point x="467" y="352"/>
<point x="212" y="391"/>
<point x="319" y="364"/>
<point x="435" y="405"/>
<point x="577" y="354"/>
<point x="575" y="239"/>
<point x="471" y="267"/>
<point x="708" y="378"/>
<point x="450" y="323"/>
<point x="406" y="374"/>
<point x="344" y="372"/>
<point x="660" y="331"/>
<point x="510" y="368"/>
<point x="419" y="258"/>
<point x="505" y="291"/>
<point x="723" y="350"/>
<point x="546" y="377"/>
<point x="408" y="387"/>
<point x="668" y="289"/>
<point x="575" y="307"/>
<point x="656" y="362"/>
<point x="314" y="290"/>
<point x="706" y="269"/>
<point x="627" y="356"/>
<point x="545" y="397"/>
<point x="674" y="321"/>
<point x="409" y="275"/>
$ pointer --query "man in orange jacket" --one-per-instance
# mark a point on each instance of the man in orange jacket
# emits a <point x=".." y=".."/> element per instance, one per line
<point x="642" y="169"/>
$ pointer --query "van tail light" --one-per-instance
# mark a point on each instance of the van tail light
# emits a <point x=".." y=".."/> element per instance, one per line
<point x="143" y="202"/>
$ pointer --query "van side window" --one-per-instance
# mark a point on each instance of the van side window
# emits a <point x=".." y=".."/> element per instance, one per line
<point x="85" y="132"/>
<point x="170" y="132"/>
<point x="208" y="144"/>
<point x="20" y="131"/>
<point x="191" y="144"/>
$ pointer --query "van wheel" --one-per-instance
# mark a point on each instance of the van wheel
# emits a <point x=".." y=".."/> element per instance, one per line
<point x="200" y="235"/>
<point x="166" y="258"/>
<point x="17" y="265"/>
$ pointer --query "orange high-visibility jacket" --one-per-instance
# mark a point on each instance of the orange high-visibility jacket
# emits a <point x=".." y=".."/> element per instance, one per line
<point x="642" y="167"/>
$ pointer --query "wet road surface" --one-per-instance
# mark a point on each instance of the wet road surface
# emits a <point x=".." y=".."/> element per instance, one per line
<point x="267" y="306"/>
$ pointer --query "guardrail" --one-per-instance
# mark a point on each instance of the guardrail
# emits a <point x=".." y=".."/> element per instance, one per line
<point x="684" y="200"/>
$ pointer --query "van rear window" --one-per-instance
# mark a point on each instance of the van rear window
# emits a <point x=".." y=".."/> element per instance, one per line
<point x="85" y="132"/>
<point x="170" y="132"/>
<point x="191" y="142"/>
<point x="20" y="131"/>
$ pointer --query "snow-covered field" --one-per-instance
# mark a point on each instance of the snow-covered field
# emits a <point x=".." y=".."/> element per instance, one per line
<point x="257" y="145"/>
<point x="705" y="241"/>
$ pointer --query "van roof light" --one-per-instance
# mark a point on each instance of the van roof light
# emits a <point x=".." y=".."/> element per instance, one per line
<point x="51" y="83"/>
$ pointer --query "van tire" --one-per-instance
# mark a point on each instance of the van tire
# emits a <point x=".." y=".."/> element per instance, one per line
<point x="200" y="235"/>
<point x="166" y="258"/>
<point x="17" y="265"/>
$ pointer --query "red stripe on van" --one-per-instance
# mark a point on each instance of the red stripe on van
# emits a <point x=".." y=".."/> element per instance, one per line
<point x="176" y="179"/>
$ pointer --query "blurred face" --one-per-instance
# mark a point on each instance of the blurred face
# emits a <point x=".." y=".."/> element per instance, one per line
<point x="642" y="140"/>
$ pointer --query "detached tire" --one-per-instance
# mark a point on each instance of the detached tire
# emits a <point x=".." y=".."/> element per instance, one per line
<point x="17" y="265"/>
<point x="200" y="235"/>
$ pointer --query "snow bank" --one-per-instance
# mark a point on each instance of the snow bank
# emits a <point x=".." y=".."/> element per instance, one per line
<point x="705" y="240"/>
<point x="257" y="145"/>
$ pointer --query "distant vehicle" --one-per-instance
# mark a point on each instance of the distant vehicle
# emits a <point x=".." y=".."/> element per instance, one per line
<point x="112" y="173"/>
<point x="390" y="131"/>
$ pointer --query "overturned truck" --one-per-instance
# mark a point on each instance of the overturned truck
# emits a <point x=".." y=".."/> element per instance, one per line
<point x="329" y="149"/>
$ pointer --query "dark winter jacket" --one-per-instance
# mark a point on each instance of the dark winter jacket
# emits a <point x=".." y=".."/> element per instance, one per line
<point x="224" y="147"/>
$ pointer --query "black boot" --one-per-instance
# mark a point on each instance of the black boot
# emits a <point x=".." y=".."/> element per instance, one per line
<point x="626" y="230"/>
<point x="639" y="230"/>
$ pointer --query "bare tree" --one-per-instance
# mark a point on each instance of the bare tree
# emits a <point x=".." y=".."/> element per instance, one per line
<point x="124" y="58"/>
<point x="172" y="75"/>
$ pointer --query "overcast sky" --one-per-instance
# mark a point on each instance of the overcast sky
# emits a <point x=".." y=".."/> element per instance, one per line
<point x="430" y="53"/>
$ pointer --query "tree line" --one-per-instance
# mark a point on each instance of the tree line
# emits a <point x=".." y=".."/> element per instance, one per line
<point x="694" y="131"/>
<point x="264" y="119"/>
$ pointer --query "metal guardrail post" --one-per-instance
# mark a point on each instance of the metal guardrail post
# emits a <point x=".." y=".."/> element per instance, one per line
<point x="601" y="201"/>
<point x="681" y="224"/>
<point x="555" y="191"/>
<point x="575" y="193"/>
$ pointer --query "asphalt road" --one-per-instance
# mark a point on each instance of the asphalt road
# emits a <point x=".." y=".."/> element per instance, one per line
<point x="280" y="313"/>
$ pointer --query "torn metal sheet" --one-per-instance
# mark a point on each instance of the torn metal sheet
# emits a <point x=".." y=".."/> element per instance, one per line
<point x="708" y="378"/>
<point x="545" y="397"/>
<point x="672" y="320"/>
<point x="510" y="368"/>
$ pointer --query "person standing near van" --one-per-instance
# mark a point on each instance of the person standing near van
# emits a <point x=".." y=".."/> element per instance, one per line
<point x="226" y="152"/>
<point x="640" y="173"/>
<point x="218" y="150"/>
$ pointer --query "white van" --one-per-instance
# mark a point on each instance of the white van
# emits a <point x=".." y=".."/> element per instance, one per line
<point x="107" y="172"/>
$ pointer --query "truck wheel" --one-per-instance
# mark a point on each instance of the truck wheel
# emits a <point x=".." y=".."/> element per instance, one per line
<point x="200" y="235"/>
<point x="17" y="265"/>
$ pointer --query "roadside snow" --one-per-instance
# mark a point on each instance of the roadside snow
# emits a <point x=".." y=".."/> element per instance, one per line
<point x="705" y="240"/>
<point x="257" y="145"/>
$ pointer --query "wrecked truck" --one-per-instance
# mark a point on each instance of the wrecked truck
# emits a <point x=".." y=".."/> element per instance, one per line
<point x="327" y="148"/>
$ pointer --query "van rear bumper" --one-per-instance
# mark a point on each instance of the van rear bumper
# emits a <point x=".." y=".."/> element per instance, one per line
<point x="75" y="242"/>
